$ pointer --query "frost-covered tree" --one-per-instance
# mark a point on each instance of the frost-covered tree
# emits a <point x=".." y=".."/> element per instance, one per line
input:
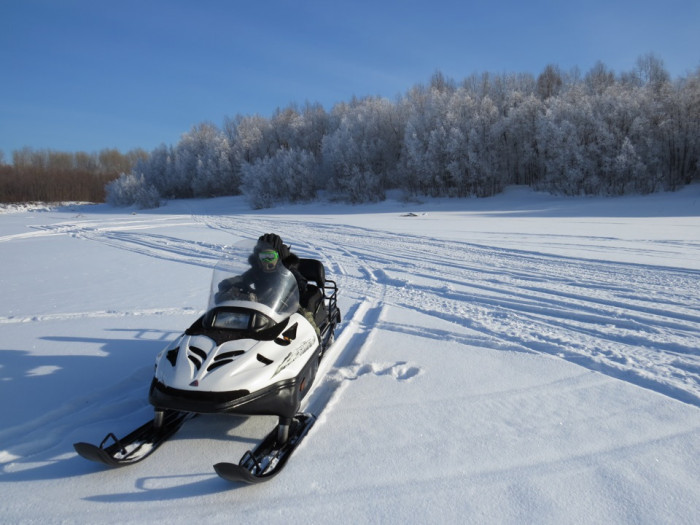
<point x="622" y="121"/>
<point x="651" y="71"/>
<point x="626" y="171"/>
<point x="550" y="82"/>
<point x="201" y="164"/>
<point x="252" y="138"/>
<point x="157" y="169"/>
<point x="597" y="134"/>
<point x="676" y="130"/>
<point x="149" y="180"/>
<point x="449" y="146"/>
<point x="294" y="128"/>
<point x="482" y="152"/>
<point x="516" y="137"/>
<point x="423" y="161"/>
<point x="599" y="78"/>
<point x="287" y="176"/>
<point x="360" y="155"/>
<point x="130" y="189"/>
<point x="458" y="179"/>
<point x="561" y="153"/>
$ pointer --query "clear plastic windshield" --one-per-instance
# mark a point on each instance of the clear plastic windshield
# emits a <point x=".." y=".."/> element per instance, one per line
<point x="245" y="279"/>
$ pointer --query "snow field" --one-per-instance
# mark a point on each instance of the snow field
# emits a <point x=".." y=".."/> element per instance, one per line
<point x="519" y="359"/>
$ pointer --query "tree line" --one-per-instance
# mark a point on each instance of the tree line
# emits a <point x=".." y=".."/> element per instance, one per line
<point x="600" y="133"/>
<point x="52" y="176"/>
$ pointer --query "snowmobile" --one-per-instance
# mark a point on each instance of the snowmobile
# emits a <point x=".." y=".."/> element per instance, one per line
<point x="255" y="351"/>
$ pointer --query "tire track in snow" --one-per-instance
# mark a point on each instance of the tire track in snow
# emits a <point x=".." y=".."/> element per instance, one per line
<point x="616" y="318"/>
<point x="601" y="315"/>
<point x="129" y="235"/>
<point x="71" y="316"/>
<point x="339" y="364"/>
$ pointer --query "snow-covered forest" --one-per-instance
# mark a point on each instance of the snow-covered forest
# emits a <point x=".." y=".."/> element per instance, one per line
<point x="598" y="133"/>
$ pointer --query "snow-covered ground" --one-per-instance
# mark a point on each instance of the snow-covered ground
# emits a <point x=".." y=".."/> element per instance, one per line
<point x="518" y="359"/>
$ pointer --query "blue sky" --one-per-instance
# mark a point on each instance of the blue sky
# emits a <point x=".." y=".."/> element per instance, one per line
<point x="83" y="75"/>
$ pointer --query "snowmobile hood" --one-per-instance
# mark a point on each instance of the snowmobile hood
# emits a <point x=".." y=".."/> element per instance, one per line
<point x="198" y="362"/>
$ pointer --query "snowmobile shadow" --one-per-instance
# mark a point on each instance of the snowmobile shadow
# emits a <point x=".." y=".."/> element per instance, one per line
<point x="175" y="487"/>
<point x="51" y="470"/>
<point x="210" y="427"/>
<point x="53" y="382"/>
<point x="218" y="427"/>
<point x="69" y="397"/>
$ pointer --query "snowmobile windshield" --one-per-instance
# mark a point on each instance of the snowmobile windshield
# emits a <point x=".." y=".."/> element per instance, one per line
<point x="244" y="279"/>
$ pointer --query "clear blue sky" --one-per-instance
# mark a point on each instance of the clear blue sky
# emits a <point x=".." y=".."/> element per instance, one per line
<point x="83" y="75"/>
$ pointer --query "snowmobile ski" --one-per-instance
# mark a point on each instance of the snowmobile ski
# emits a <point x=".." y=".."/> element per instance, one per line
<point x="137" y="445"/>
<point x="269" y="457"/>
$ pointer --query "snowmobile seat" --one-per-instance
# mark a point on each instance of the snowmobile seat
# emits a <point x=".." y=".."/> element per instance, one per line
<point x="313" y="270"/>
<point x="312" y="300"/>
<point x="320" y="298"/>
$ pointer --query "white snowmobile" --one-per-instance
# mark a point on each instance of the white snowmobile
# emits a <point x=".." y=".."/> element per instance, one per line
<point x="255" y="351"/>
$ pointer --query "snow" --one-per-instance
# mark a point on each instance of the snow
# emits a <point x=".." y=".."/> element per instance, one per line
<point x="519" y="359"/>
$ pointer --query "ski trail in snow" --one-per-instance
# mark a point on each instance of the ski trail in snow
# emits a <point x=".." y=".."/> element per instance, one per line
<point x="618" y="319"/>
<point x="638" y="323"/>
<point x="74" y="316"/>
<point x="615" y="318"/>
<point x="340" y="363"/>
<point x="129" y="234"/>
